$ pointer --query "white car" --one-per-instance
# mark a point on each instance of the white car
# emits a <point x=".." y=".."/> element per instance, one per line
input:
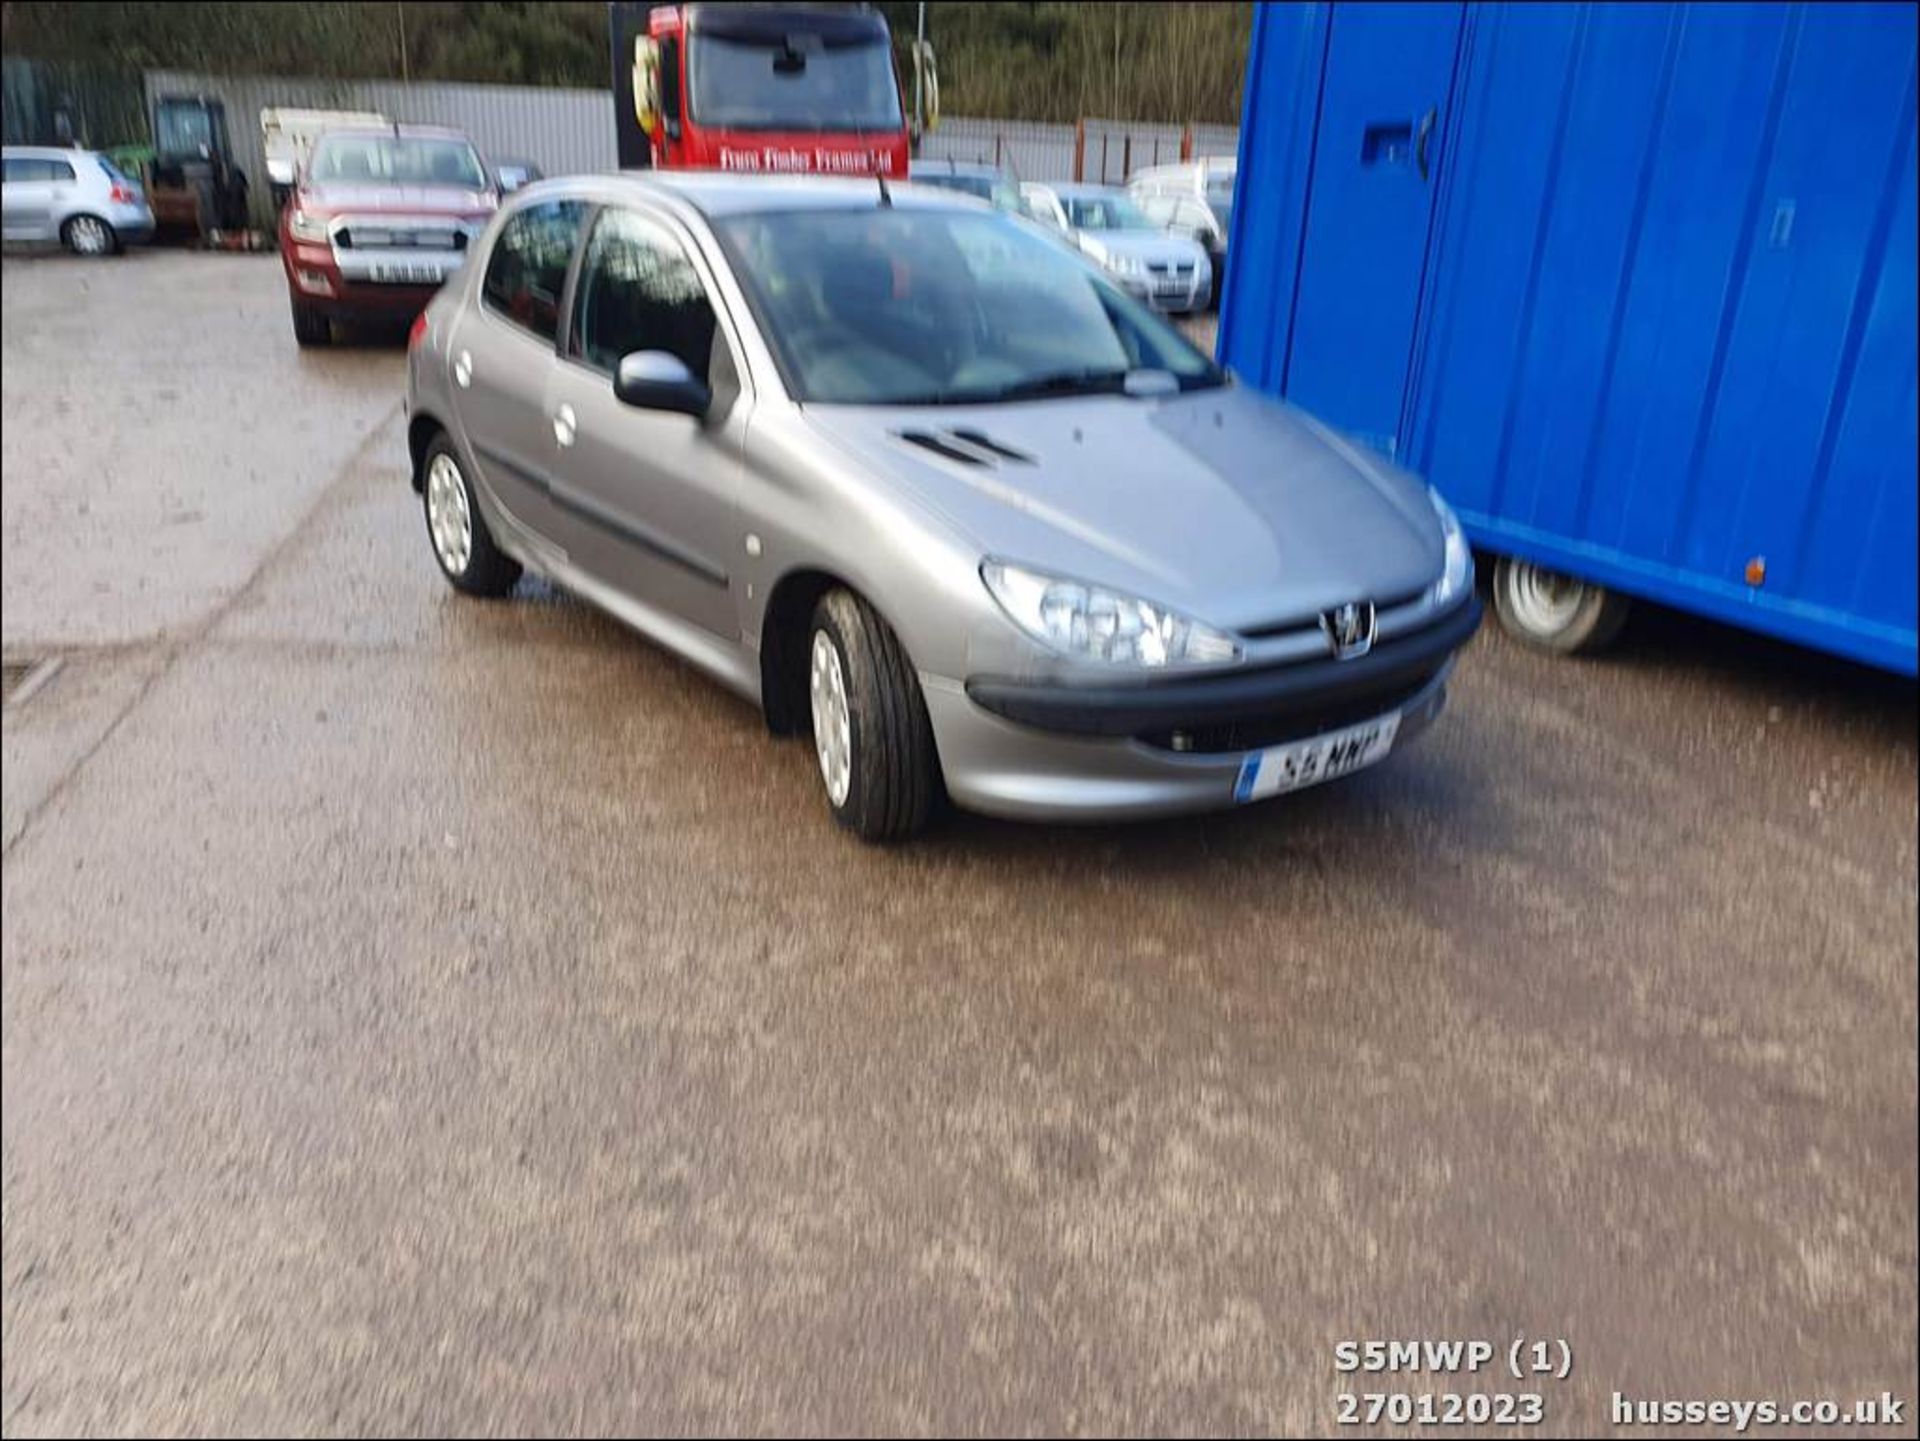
<point x="1168" y="272"/>
<point x="1194" y="199"/>
<point x="287" y="136"/>
<point x="76" y="197"/>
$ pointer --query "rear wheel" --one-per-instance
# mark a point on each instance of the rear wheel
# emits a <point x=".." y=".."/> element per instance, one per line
<point x="870" y="728"/>
<point x="90" y="236"/>
<point x="1555" y="612"/>
<point x="310" y="325"/>
<point x="461" y="541"/>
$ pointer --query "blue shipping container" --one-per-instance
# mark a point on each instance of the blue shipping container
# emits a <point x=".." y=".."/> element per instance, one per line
<point x="1633" y="285"/>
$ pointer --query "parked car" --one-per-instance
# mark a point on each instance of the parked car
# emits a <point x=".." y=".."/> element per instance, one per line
<point x="1169" y="272"/>
<point x="76" y="197"/>
<point x="378" y="220"/>
<point x="1194" y="199"/>
<point x="287" y="135"/>
<point x="982" y="182"/>
<point x="512" y="175"/>
<point x="929" y="488"/>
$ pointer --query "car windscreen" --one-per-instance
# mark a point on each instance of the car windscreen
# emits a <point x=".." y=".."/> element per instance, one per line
<point x="906" y="306"/>
<point x="798" y="82"/>
<point x="1105" y="212"/>
<point x="396" y="160"/>
<point x="183" y="130"/>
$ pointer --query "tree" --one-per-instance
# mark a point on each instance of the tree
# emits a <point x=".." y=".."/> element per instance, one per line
<point x="1026" y="60"/>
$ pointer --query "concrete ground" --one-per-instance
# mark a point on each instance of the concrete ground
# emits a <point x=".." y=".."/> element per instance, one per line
<point x="424" y="1015"/>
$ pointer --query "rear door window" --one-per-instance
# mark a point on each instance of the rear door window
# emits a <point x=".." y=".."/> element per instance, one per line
<point x="528" y="267"/>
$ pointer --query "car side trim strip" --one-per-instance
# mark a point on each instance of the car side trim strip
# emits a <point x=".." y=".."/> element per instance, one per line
<point x="594" y="513"/>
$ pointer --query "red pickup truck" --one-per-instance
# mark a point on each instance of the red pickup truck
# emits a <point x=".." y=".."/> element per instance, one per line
<point x="379" y="218"/>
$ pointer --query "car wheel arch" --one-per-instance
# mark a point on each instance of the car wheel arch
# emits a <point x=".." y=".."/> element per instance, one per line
<point x="784" y="625"/>
<point x="786" y="637"/>
<point x="421" y="429"/>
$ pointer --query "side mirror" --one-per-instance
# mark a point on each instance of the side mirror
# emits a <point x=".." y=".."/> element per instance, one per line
<point x="655" y="380"/>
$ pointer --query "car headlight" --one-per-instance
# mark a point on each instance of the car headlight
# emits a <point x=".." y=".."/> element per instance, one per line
<point x="1095" y="623"/>
<point x="1458" y="572"/>
<point x="306" y="227"/>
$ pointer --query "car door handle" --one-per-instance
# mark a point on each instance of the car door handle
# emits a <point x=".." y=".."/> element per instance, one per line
<point x="563" y="426"/>
<point x="463" y="369"/>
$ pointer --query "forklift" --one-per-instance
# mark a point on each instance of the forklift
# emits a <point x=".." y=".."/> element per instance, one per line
<point x="192" y="181"/>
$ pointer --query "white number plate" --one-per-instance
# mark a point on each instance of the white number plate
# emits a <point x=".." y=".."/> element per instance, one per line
<point x="1326" y="757"/>
<point x="422" y="274"/>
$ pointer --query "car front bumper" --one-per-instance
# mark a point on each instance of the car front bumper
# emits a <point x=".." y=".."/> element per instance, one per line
<point x="1066" y="753"/>
<point x="318" y="277"/>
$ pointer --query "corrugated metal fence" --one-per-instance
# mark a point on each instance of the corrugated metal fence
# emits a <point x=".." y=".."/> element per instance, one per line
<point x="1031" y="150"/>
<point x="1096" y="150"/>
<point x="566" y="131"/>
<point x="561" y="131"/>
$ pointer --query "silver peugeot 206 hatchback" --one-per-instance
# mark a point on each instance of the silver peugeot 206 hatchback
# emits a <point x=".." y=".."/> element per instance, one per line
<point x="931" y="489"/>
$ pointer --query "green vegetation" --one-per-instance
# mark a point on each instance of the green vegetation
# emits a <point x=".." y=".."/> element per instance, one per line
<point x="1051" y="60"/>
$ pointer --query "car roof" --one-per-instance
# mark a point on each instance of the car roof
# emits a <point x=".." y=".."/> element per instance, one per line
<point x="1200" y="164"/>
<point x="715" y="193"/>
<point x="405" y="132"/>
<point x="955" y="167"/>
<point x="46" y="152"/>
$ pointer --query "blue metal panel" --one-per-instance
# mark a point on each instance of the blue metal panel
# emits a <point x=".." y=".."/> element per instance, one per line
<point x="1277" y="115"/>
<point x="1667" y="326"/>
<point x="1389" y="70"/>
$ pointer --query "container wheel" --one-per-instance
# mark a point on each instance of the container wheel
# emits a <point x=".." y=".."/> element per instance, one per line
<point x="1555" y="612"/>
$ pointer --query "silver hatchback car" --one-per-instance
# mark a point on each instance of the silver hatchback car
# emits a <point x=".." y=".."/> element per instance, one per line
<point x="931" y="489"/>
<point x="76" y="197"/>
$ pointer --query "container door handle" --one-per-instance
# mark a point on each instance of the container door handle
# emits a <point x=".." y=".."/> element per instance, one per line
<point x="1426" y="134"/>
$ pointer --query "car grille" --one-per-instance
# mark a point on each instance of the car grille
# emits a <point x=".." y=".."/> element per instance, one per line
<point x="370" y="236"/>
<point x="1183" y="269"/>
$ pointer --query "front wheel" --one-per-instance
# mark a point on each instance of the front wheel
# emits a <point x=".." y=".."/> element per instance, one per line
<point x="1555" y="612"/>
<point x="870" y="728"/>
<point x="310" y="325"/>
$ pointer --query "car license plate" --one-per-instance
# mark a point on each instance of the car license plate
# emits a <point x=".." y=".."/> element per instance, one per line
<point x="420" y="274"/>
<point x="1308" y="762"/>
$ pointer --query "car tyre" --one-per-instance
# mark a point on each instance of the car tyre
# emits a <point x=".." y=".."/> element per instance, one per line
<point x="311" y="326"/>
<point x="457" y="530"/>
<point x="870" y="728"/>
<point x="1554" y="612"/>
<point x="89" y="236"/>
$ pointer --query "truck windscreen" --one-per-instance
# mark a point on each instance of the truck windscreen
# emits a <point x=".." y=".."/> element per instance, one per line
<point x="791" y="83"/>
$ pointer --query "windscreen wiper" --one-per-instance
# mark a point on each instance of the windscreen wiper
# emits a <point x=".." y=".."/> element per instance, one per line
<point x="1064" y="382"/>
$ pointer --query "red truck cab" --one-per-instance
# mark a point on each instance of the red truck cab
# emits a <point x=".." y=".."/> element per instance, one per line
<point x="777" y="89"/>
<point x="378" y="219"/>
